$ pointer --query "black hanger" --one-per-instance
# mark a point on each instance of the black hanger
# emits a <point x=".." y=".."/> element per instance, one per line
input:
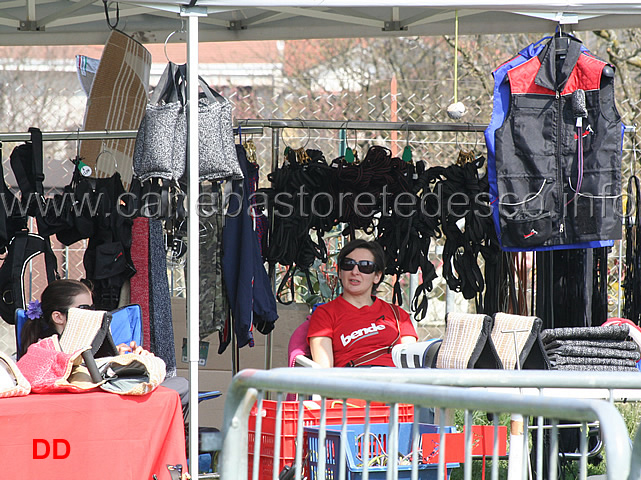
<point x="112" y="26"/>
<point x="561" y="42"/>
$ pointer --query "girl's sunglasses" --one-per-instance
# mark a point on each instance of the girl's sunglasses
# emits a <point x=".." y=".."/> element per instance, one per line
<point x="364" y="266"/>
<point x="81" y="307"/>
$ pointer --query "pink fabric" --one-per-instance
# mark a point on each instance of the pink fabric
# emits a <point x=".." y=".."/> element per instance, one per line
<point x="298" y="342"/>
<point x="635" y="331"/>
<point x="298" y="346"/>
<point x="47" y="368"/>
<point x="140" y="281"/>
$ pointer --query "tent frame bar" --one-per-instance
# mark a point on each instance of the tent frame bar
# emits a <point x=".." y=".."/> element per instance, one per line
<point x="95" y="135"/>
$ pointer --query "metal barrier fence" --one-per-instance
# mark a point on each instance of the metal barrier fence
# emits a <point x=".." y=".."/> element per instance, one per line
<point x="429" y="388"/>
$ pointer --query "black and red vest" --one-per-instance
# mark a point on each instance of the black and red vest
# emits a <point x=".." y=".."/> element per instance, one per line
<point x="537" y="160"/>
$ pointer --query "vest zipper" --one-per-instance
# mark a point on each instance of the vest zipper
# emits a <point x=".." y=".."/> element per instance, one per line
<point x="559" y="176"/>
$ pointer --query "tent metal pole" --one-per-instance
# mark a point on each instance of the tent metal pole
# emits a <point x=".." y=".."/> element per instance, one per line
<point x="193" y="230"/>
<point x="269" y="345"/>
<point x="94" y="135"/>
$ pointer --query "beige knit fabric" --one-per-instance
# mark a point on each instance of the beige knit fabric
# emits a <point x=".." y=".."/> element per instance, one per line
<point x="117" y="101"/>
<point x="508" y="328"/>
<point x="462" y="331"/>
<point x="81" y="329"/>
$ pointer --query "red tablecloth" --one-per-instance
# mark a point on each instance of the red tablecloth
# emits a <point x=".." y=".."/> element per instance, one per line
<point x="95" y="436"/>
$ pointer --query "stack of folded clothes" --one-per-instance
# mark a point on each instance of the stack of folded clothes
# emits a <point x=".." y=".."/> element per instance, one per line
<point x="591" y="348"/>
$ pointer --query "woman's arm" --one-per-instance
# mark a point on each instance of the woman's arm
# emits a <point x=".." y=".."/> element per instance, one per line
<point x="322" y="351"/>
<point x="408" y="339"/>
<point x="132" y="348"/>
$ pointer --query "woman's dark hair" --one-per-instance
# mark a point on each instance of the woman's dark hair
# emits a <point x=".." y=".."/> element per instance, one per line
<point x="376" y="250"/>
<point x="57" y="297"/>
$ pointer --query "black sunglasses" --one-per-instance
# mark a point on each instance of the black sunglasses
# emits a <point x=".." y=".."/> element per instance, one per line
<point x="81" y="307"/>
<point x="364" y="266"/>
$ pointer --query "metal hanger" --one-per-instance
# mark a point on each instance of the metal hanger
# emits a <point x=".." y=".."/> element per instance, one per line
<point x="182" y="30"/>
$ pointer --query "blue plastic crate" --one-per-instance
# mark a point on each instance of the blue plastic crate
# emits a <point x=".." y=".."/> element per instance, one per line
<point x="378" y="445"/>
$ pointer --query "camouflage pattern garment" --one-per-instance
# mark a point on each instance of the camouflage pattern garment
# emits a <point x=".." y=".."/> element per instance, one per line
<point x="214" y="305"/>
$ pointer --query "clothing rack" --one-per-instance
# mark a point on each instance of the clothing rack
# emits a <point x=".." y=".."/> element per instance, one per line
<point x="362" y="125"/>
<point x="95" y="135"/>
<point x="277" y="124"/>
<point x="371" y="125"/>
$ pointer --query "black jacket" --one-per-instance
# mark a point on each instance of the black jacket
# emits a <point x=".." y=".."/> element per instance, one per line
<point x="538" y="163"/>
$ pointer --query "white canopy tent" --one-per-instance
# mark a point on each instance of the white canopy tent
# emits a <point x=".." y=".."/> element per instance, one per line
<point x="65" y="22"/>
<point x="52" y="22"/>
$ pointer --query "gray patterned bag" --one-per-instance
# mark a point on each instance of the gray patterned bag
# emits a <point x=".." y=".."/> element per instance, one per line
<point x="161" y="143"/>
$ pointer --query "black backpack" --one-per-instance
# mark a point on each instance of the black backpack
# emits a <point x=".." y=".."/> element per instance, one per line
<point x="24" y="246"/>
<point x="21" y="245"/>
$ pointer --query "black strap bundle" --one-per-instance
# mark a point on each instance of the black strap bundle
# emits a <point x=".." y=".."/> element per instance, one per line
<point x="465" y="219"/>
<point x="402" y="202"/>
<point x="360" y="189"/>
<point x="405" y="230"/>
<point x="571" y="287"/>
<point x="632" y="282"/>
<point x="298" y="212"/>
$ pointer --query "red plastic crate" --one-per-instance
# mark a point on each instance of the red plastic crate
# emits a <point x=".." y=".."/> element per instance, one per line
<point x="378" y="413"/>
<point x="482" y="444"/>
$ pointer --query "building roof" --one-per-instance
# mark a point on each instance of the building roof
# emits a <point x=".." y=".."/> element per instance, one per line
<point x="209" y="52"/>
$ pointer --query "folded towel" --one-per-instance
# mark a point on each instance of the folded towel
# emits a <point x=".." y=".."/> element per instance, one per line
<point x="572" y="351"/>
<point x="596" y="368"/>
<point x="611" y="332"/>
<point x="621" y="345"/>
<point x="617" y="362"/>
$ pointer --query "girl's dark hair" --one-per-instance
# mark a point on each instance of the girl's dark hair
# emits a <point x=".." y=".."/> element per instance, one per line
<point x="376" y="250"/>
<point x="57" y="297"/>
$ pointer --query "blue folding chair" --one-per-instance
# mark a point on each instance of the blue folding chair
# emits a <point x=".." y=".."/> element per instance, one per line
<point x="125" y="326"/>
<point x="21" y="318"/>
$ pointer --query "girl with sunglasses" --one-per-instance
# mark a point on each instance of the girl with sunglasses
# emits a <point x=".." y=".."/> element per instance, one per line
<point x="49" y="316"/>
<point x="357" y="328"/>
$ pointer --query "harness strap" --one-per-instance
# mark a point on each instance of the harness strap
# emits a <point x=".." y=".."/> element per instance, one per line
<point x="51" y="262"/>
<point x="368" y="357"/>
<point x="38" y="167"/>
<point x="632" y="283"/>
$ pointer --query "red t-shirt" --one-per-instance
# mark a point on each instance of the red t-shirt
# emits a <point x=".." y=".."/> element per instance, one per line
<point x="358" y="331"/>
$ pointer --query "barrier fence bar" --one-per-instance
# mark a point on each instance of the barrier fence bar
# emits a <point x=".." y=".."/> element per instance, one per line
<point x="606" y="385"/>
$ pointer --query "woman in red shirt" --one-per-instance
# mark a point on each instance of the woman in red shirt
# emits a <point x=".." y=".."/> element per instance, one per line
<point x="358" y="328"/>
